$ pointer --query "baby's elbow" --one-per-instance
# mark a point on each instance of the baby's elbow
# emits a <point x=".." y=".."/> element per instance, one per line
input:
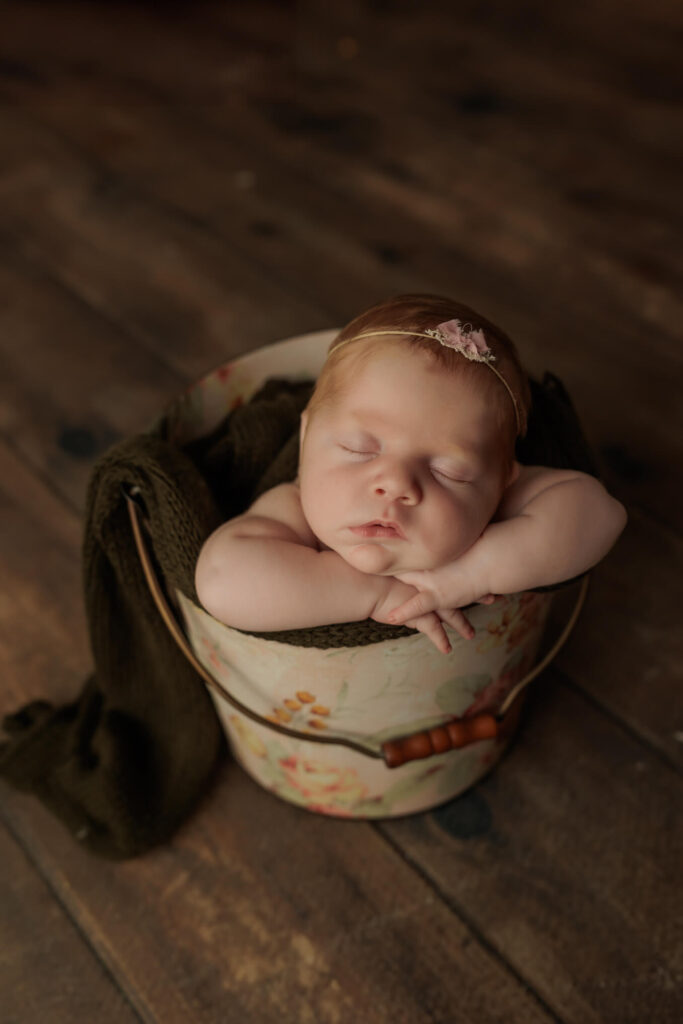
<point x="202" y="581"/>
<point x="603" y="520"/>
<point x="222" y="589"/>
<point x="209" y="586"/>
<point x="610" y="520"/>
<point x="618" y="518"/>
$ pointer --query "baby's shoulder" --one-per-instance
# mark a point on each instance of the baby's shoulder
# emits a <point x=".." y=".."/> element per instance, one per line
<point x="528" y="482"/>
<point x="283" y="503"/>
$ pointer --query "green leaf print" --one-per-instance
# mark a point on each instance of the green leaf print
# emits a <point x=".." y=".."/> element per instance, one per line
<point x="451" y="695"/>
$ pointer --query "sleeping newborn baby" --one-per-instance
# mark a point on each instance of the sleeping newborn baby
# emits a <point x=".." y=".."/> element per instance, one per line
<point x="409" y="504"/>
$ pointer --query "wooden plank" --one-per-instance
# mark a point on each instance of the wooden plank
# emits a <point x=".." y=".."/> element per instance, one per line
<point x="627" y="650"/>
<point x="664" y="572"/>
<point x="255" y="905"/>
<point x="47" y="970"/>
<point x="72" y="383"/>
<point x="284" y="908"/>
<point x="568" y="859"/>
<point x="111" y="389"/>
<point x="657" y="702"/>
<point x="258" y="909"/>
<point x="134" y="137"/>
<point x="166" y="280"/>
<point x="44" y="651"/>
<point x="353" y="205"/>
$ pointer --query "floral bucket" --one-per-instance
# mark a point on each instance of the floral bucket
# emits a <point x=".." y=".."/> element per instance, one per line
<point x="361" y="696"/>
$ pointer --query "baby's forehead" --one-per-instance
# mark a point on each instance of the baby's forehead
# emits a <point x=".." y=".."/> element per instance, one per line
<point x="370" y="424"/>
<point x="401" y="389"/>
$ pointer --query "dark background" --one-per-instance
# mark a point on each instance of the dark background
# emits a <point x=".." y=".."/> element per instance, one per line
<point x="183" y="183"/>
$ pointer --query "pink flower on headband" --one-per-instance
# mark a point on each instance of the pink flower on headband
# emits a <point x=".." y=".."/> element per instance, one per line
<point x="470" y="343"/>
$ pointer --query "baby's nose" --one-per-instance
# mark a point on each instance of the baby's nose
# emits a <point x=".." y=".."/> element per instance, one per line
<point x="398" y="484"/>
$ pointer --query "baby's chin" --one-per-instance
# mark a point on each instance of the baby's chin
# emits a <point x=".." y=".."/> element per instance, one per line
<point x="376" y="559"/>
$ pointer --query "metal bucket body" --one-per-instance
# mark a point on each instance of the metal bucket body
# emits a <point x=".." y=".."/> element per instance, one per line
<point x="370" y="692"/>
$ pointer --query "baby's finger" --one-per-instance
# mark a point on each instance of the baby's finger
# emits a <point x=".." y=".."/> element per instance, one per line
<point x="455" y="618"/>
<point x="488" y="599"/>
<point x="432" y="627"/>
<point x="413" y="608"/>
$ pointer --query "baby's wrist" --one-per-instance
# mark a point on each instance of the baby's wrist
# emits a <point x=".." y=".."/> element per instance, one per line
<point x="380" y="589"/>
<point x="462" y="579"/>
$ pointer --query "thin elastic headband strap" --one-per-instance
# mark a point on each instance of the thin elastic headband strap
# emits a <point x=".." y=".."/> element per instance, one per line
<point x="435" y="336"/>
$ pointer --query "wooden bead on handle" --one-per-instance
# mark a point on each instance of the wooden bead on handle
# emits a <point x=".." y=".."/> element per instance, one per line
<point x="439" y="739"/>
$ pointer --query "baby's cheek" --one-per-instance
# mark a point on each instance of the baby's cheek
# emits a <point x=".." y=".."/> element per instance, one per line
<point x="319" y="517"/>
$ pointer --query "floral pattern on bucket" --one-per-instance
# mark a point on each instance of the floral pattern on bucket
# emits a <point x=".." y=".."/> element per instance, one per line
<point x="514" y="617"/>
<point x="321" y="784"/>
<point x="382" y="687"/>
<point x="303" y="703"/>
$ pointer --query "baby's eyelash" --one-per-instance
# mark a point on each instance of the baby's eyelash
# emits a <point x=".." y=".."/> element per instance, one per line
<point x="354" y="451"/>
<point x="454" y="479"/>
<point x="439" y="472"/>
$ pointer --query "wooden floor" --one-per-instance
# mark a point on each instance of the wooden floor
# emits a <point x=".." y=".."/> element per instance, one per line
<point x="184" y="182"/>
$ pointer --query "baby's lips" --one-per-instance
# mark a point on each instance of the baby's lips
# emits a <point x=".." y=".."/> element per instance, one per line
<point x="377" y="530"/>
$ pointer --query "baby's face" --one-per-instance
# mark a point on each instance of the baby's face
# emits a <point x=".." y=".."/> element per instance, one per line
<point x="411" y="446"/>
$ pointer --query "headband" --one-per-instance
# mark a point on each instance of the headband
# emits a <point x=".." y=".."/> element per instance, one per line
<point x="461" y="338"/>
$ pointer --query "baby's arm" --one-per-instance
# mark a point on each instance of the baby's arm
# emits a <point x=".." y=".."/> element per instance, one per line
<point x="262" y="571"/>
<point x="551" y="525"/>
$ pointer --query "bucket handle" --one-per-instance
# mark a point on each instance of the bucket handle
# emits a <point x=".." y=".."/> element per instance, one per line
<point x="453" y="734"/>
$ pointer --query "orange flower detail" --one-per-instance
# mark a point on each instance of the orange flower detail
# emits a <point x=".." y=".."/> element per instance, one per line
<point x="282" y="715"/>
<point x="293" y="705"/>
<point x="305" y="697"/>
<point x="320" y="709"/>
<point x="317" y="724"/>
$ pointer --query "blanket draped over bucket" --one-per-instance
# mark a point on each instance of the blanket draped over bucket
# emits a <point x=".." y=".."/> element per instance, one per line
<point x="126" y="762"/>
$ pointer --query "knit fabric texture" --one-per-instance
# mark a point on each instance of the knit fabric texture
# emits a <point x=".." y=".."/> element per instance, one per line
<point x="126" y="762"/>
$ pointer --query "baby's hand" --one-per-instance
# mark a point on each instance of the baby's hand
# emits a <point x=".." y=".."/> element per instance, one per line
<point x="444" y="590"/>
<point x="430" y="623"/>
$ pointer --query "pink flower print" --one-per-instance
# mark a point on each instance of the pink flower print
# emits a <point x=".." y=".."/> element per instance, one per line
<point x="326" y="787"/>
<point x="212" y="652"/>
<point x="335" y="812"/>
<point x="470" y="343"/>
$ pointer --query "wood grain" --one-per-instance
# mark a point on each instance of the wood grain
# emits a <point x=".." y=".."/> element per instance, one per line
<point x="498" y="225"/>
<point x="568" y="859"/>
<point x="184" y="183"/>
<point x="47" y="970"/>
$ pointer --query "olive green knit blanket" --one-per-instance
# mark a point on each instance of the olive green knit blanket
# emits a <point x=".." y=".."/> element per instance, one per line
<point x="125" y="763"/>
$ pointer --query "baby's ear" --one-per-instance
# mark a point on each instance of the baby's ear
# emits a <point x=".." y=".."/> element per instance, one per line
<point x="302" y="431"/>
<point x="513" y="474"/>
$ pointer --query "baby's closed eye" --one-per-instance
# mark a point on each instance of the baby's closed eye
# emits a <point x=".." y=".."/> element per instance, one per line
<point x="451" y="474"/>
<point x="358" y="448"/>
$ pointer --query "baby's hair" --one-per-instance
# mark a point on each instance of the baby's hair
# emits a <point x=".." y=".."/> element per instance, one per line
<point x="416" y="312"/>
